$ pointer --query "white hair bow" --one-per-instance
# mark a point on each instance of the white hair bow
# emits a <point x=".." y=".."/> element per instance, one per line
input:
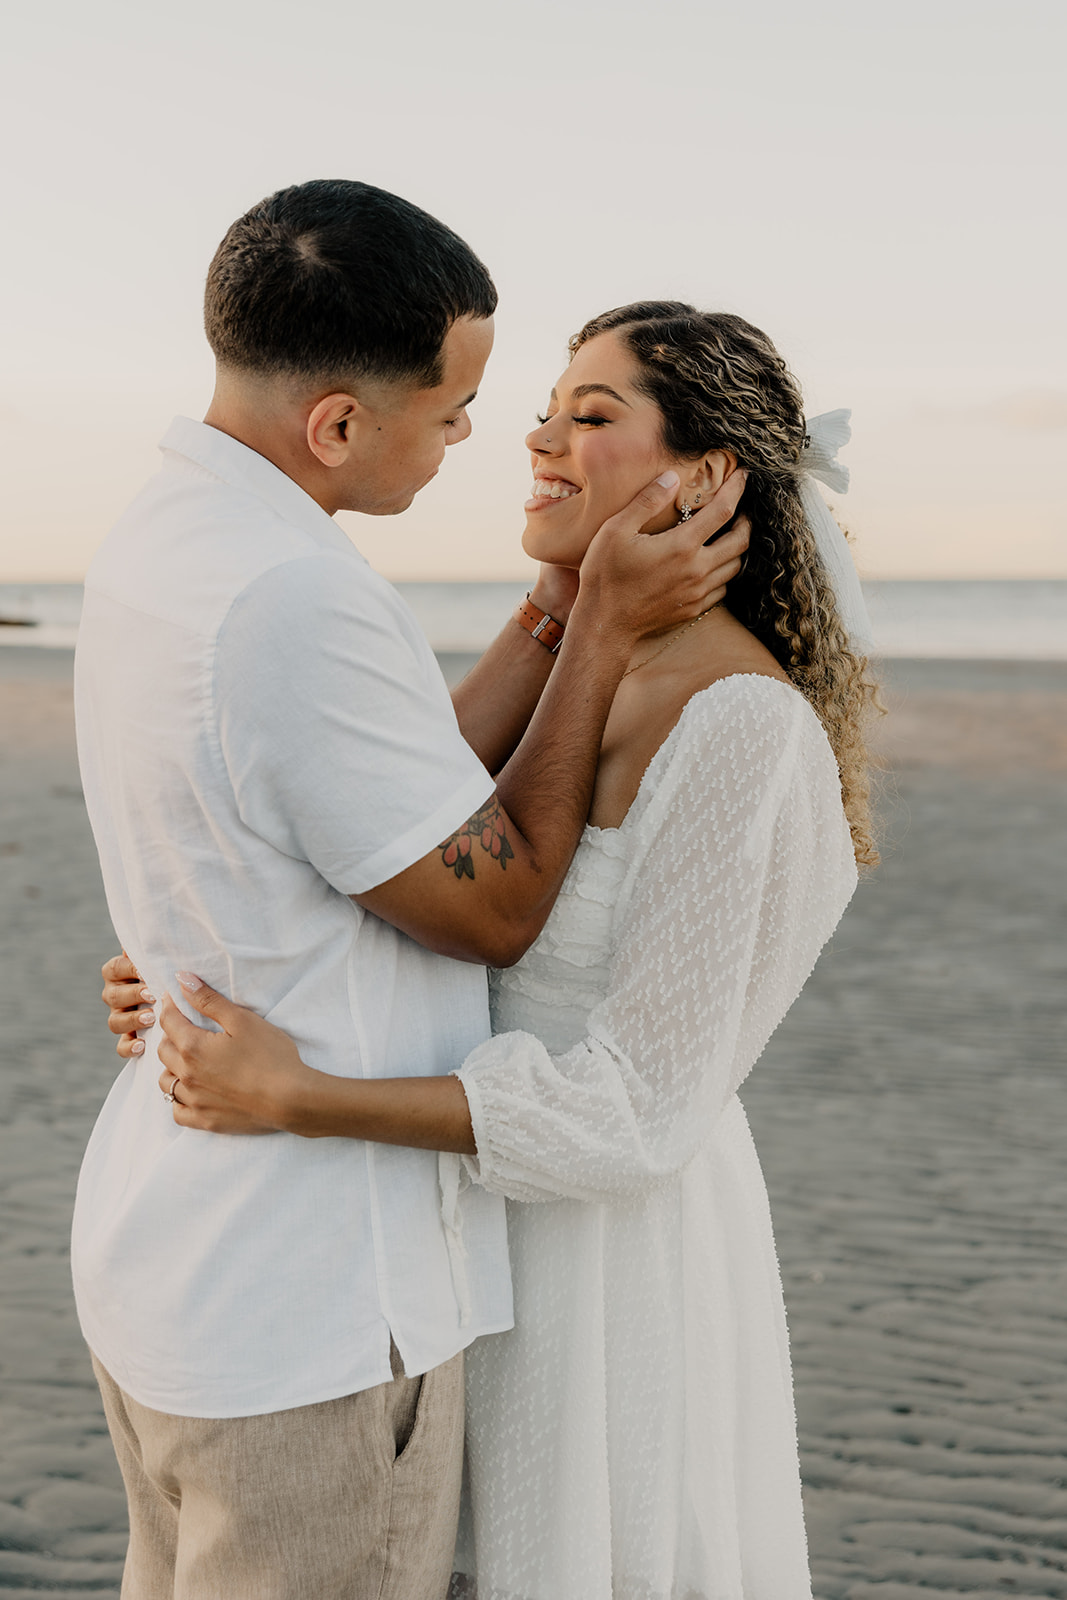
<point x="825" y="436"/>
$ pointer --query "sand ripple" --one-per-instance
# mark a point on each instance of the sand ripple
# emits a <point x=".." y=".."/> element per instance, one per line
<point x="909" y="1115"/>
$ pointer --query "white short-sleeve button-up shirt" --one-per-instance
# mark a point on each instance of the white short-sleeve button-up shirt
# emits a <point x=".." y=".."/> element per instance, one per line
<point x="263" y="731"/>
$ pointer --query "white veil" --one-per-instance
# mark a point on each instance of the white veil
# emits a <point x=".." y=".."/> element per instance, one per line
<point x="825" y="436"/>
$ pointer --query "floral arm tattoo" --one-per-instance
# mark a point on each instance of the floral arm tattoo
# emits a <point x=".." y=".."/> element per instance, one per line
<point x="487" y="828"/>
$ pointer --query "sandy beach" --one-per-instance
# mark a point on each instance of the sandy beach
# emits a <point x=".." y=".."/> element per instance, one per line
<point x="909" y="1115"/>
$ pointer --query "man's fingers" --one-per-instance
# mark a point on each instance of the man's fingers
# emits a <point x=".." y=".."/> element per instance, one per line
<point x="723" y="580"/>
<point x="725" y="556"/>
<point x="716" y="564"/>
<point x="645" y="504"/>
<point x="647" y="582"/>
<point x="732" y="545"/>
<point x="705" y="523"/>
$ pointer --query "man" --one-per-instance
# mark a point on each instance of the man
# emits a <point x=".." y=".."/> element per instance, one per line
<point x="269" y="755"/>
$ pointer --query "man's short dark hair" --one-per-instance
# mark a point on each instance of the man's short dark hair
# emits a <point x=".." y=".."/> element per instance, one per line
<point x="334" y="280"/>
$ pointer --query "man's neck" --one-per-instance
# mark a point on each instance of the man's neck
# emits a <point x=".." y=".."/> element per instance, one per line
<point x="272" y="434"/>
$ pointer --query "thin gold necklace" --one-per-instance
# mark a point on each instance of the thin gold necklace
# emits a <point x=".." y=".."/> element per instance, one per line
<point x="672" y="640"/>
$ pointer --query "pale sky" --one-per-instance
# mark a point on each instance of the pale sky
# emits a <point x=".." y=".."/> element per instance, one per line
<point x="878" y="186"/>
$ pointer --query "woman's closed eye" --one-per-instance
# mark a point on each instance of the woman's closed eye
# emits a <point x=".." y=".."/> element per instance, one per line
<point x="589" y="421"/>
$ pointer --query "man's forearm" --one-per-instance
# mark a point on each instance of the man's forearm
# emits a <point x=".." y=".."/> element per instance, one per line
<point x="546" y="787"/>
<point x="497" y="698"/>
<point x="485" y="892"/>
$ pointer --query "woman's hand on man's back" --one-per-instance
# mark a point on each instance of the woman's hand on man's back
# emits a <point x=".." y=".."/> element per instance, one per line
<point x="130" y="1005"/>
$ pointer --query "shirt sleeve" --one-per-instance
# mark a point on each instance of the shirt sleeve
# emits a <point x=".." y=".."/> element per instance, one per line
<point x="335" y="724"/>
<point x="743" y="868"/>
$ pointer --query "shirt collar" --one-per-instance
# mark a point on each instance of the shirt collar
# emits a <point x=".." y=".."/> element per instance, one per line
<point x="242" y="468"/>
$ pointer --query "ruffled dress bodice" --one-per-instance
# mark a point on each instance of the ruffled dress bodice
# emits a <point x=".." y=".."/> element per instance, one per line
<point x="566" y="972"/>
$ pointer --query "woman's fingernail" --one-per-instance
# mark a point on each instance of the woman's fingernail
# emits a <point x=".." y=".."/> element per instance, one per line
<point x="189" y="980"/>
<point x="669" y="480"/>
<point x="149" y="997"/>
<point x="137" y="1047"/>
<point x="145" y="1019"/>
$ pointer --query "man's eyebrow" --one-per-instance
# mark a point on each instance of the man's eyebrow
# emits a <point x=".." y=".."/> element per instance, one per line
<point x="461" y="403"/>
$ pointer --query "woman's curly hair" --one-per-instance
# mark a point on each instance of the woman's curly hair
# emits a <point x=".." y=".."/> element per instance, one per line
<point x="721" y="385"/>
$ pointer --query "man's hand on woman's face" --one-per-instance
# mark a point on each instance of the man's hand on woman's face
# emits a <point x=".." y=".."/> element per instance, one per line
<point x="647" y="582"/>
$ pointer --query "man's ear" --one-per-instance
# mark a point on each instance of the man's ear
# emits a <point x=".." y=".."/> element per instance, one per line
<point x="329" y="428"/>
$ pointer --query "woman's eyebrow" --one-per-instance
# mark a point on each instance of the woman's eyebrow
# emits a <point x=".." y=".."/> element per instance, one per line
<point x="583" y="389"/>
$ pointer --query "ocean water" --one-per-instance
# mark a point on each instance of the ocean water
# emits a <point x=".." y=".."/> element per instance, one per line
<point x="1021" y="619"/>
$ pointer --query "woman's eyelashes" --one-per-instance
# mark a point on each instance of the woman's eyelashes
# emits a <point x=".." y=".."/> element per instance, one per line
<point x="589" y="422"/>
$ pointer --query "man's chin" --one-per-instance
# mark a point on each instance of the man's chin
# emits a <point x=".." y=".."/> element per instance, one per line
<point x="387" y="508"/>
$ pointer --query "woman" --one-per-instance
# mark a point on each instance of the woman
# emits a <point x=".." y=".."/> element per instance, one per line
<point x="634" y="1436"/>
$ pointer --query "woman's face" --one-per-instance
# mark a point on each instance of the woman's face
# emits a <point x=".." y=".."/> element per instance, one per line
<point x="599" y="444"/>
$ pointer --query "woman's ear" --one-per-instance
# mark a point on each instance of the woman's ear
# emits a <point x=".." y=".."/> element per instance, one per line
<point x="329" y="428"/>
<point x="700" y="482"/>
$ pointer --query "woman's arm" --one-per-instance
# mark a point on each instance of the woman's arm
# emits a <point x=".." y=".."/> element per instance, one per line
<point x="248" y="1078"/>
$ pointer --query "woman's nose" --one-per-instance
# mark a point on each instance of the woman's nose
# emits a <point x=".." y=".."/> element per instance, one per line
<point x="539" y="440"/>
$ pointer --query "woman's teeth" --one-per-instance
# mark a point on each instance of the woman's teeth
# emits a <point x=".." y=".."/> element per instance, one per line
<point x="553" y="489"/>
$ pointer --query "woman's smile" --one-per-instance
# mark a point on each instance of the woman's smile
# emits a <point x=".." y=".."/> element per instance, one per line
<point x="549" y="489"/>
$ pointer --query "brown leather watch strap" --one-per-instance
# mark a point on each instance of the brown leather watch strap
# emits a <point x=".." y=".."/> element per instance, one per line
<point x="539" y="625"/>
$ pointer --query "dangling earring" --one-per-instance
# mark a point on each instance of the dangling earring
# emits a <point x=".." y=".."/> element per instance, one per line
<point x="687" y="511"/>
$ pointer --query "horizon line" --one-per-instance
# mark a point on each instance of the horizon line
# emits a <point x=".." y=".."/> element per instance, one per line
<point x="524" y="577"/>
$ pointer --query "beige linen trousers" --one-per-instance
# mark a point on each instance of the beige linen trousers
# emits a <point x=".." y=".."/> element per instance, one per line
<point x="350" y="1499"/>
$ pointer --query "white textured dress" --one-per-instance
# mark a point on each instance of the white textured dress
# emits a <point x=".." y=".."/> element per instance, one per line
<point x="634" y="1438"/>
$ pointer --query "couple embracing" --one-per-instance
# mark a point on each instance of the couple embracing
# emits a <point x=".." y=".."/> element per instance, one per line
<point x="643" y="810"/>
